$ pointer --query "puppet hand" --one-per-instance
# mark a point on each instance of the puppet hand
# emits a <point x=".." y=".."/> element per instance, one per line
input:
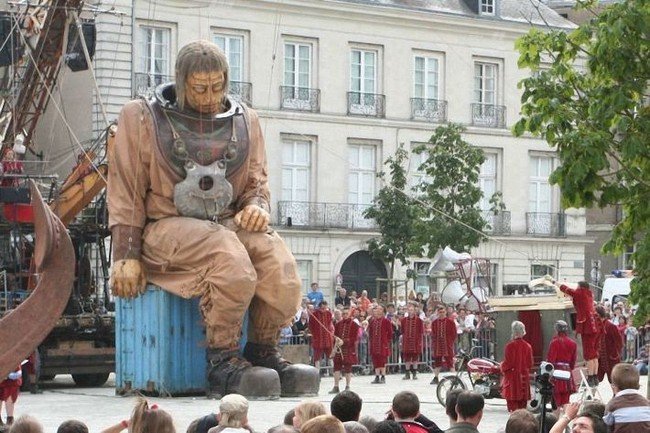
<point x="127" y="278"/>
<point x="253" y="218"/>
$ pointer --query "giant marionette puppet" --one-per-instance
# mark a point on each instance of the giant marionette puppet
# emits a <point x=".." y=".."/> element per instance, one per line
<point x="188" y="201"/>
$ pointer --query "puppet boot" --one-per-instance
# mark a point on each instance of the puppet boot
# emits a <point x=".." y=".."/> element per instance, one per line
<point x="229" y="373"/>
<point x="296" y="379"/>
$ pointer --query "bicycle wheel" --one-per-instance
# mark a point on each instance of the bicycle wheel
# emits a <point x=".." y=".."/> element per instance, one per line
<point x="447" y="384"/>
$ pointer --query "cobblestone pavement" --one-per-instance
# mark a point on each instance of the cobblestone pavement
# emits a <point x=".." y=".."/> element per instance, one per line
<point x="100" y="407"/>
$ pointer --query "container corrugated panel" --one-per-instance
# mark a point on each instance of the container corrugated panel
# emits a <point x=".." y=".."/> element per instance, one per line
<point x="160" y="345"/>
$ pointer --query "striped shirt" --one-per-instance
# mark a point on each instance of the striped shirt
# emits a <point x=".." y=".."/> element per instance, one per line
<point x="628" y="412"/>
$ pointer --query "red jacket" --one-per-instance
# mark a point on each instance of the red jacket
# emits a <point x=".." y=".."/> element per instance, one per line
<point x="380" y="336"/>
<point x="562" y="353"/>
<point x="583" y="302"/>
<point x="516" y="365"/>
<point x="443" y="337"/>
<point x="348" y="331"/>
<point x="609" y="353"/>
<point x="321" y="329"/>
<point x="412" y="329"/>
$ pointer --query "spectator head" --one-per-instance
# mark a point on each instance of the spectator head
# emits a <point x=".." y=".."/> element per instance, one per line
<point x="233" y="411"/>
<point x="588" y="423"/>
<point x="354" y="427"/>
<point x="364" y="293"/>
<point x="203" y="424"/>
<point x="346" y="406"/>
<point x="145" y="419"/>
<point x="342" y="292"/>
<point x="406" y="405"/>
<point x="26" y="424"/>
<point x="601" y="312"/>
<point x="306" y="410"/>
<point x="522" y="421"/>
<point x="314" y="287"/>
<point x="323" y="424"/>
<point x="72" y="426"/>
<point x="518" y="329"/>
<point x="283" y="428"/>
<point x="594" y="407"/>
<point x="369" y="422"/>
<point x="450" y="404"/>
<point x="469" y="407"/>
<point x="561" y="327"/>
<point x="625" y="376"/>
<point x="550" y="418"/>
<point x="389" y="426"/>
<point x="288" y="417"/>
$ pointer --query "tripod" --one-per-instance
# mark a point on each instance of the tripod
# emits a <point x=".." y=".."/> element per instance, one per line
<point x="546" y="392"/>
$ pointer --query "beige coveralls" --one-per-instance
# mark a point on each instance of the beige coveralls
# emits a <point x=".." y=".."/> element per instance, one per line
<point x="229" y="268"/>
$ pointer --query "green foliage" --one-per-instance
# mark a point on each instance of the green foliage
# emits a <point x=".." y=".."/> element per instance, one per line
<point x="590" y="100"/>
<point x="450" y="198"/>
<point x="395" y="212"/>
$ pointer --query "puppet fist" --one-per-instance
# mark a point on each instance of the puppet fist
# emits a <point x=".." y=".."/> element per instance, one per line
<point x="127" y="278"/>
<point x="253" y="218"/>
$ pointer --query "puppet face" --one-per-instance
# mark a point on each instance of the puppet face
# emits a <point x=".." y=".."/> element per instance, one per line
<point x="205" y="92"/>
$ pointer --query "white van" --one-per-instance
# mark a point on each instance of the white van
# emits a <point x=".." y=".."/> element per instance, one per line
<point x="616" y="289"/>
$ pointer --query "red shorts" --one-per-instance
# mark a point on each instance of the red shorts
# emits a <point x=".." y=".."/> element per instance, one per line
<point x="379" y="361"/>
<point x="589" y="346"/>
<point x="513" y="405"/>
<point x="443" y="361"/>
<point x="339" y="365"/>
<point x="9" y="391"/>
<point x="410" y="357"/>
<point x="318" y="353"/>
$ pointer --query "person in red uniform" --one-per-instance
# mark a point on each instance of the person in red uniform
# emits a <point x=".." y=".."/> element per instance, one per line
<point x="9" y="390"/>
<point x="611" y="344"/>
<point x="412" y="328"/>
<point x="380" y="336"/>
<point x="443" y="337"/>
<point x="562" y="354"/>
<point x="516" y="365"/>
<point x="346" y="332"/>
<point x="321" y="328"/>
<point x="586" y="326"/>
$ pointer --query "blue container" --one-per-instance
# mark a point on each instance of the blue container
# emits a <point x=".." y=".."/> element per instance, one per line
<point x="160" y="345"/>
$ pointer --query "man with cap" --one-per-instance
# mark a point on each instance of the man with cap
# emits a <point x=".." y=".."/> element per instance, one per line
<point x="562" y="354"/>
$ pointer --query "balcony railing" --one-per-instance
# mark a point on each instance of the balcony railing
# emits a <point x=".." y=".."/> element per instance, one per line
<point x="489" y="116"/>
<point x="366" y="104"/>
<point x="241" y="91"/>
<point x="430" y="110"/>
<point x="324" y="215"/>
<point x="545" y="224"/>
<point x="300" y="99"/>
<point x="145" y="84"/>
<point x="498" y="224"/>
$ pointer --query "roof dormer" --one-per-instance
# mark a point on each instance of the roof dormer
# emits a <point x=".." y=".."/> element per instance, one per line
<point x="487" y="8"/>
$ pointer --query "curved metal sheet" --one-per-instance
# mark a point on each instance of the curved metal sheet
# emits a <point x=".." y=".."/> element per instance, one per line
<point x="23" y="329"/>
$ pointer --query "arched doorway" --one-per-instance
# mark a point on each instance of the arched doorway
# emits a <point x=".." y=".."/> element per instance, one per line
<point x="359" y="272"/>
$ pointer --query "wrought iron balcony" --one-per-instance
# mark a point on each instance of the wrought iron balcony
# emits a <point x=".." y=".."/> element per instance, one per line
<point x="498" y="224"/>
<point x="323" y="215"/>
<point x="300" y="99"/>
<point x="430" y="110"/>
<point x="367" y="104"/>
<point x="145" y="84"/>
<point x="241" y="91"/>
<point x="546" y="224"/>
<point x="489" y="116"/>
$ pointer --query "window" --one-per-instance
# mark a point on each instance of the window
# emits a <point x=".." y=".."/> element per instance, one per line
<point x="417" y="176"/>
<point x="363" y="71"/>
<point x="487" y="7"/>
<point x="488" y="180"/>
<point x="481" y="280"/>
<point x="540" y="193"/>
<point x="539" y="270"/>
<point x="297" y="64"/>
<point x="422" y="279"/>
<point x="425" y="77"/>
<point x="628" y="263"/>
<point x="304" y="272"/>
<point x="296" y="170"/>
<point x="485" y="83"/>
<point x="233" y="47"/>
<point x="361" y="180"/>
<point x="155" y="52"/>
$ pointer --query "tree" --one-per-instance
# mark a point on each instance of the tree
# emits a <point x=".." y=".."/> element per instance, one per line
<point x="395" y="212"/>
<point x="450" y="197"/>
<point x="596" y="116"/>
